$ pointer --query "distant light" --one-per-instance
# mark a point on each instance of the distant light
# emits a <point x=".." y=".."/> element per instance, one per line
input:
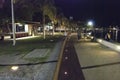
<point x="89" y="33"/>
<point x="50" y="27"/>
<point x="114" y="28"/>
<point x="26" y="28"/>
<point x="19" y="24"/>
<point x="92" y="37"/>
<point x="99" y="40"/>
<point x="90" y="23"/>
<point x="23" y="38"/>
<point x="66" y="57"/>
<point x="65" y="73"/>
<point x="14" y="68"/>
<point x="118" y="47"/>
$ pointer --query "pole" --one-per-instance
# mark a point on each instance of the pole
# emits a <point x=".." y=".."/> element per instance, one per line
<point x="116" y="34"/>
<point x="44" y="36"/>
<point x="13" y="23"/>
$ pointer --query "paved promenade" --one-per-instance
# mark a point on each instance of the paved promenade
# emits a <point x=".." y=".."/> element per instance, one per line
<point x="82" y="60"/>
<point x="97" y="61"/>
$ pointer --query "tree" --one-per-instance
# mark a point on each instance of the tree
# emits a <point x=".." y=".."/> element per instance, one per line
<point x="50" y="11"/>
<point x="65" y="22"/>
<point x="60" y="19"/>
<point x="5" y="15"/>
<point x="26" y="10"/>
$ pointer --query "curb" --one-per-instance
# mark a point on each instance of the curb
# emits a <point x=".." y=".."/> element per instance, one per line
<point x="109" y="44"/>
<point x="55" y="77"/>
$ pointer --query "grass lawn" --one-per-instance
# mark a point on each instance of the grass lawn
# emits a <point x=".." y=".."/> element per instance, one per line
<point x="27" y="45"/>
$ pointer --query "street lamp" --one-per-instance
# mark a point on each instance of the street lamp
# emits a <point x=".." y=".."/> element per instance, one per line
<point x="90" y="23"/>
<point x="13" y="23"/>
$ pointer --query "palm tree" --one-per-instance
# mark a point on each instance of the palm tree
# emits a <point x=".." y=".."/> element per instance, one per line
<point x="52" y="16"/>
<point x="49" y="10"/>
<point x="60" y="20"/>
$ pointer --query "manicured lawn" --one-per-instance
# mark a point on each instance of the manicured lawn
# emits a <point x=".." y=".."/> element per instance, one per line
<point x="25" y="46"/>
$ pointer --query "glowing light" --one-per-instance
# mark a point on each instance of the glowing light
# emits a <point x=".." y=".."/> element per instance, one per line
<point x="23" y="38"/>
<point x="118" y="47"/>
<point x="114" y="28"/>
<point x="100" y="40"/>
<point x="92" y="37"/>
<point x="66" y="57"/>
<point x="19" y="24"/>
<point x="26" y="28"/>
<point x="65" y="73"/>
<point x="14" y="68"/>
<point x="90" y="23"/>
<point x="89" y="33"/>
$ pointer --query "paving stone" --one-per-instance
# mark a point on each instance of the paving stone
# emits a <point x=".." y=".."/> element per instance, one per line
<point x="37" y="53"/>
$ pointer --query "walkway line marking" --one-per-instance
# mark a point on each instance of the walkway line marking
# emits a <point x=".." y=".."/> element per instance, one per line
<point x="28" y="64"/>
<point x="102" y="65"/>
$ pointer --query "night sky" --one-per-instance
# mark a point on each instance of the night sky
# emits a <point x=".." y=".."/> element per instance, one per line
<point x="103" y="12"/>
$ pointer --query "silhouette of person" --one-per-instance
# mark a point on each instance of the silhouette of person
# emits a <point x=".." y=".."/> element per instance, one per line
<point x="108" y="36"/>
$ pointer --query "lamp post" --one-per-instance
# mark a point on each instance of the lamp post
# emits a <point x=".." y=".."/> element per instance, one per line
<point x="13" y="23"/>
<point x="116" y="36"/>
<point x="91" y="24"/>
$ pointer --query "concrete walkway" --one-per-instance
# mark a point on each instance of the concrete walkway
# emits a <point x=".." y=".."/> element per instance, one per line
<point x="97" y="61"/>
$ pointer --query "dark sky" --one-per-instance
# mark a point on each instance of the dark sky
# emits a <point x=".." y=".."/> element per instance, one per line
<point x="103" y="12"/>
